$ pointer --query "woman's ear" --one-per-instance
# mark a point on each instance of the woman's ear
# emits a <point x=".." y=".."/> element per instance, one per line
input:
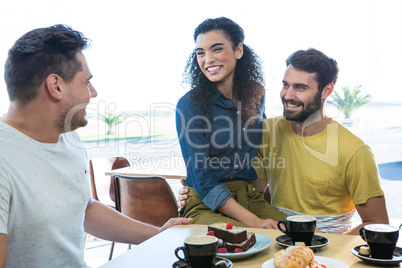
<point x="53" y="86"/>
<point x="239" y="51"/>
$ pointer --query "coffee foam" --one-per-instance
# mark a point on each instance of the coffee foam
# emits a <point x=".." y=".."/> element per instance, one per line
<point x="380" y="228"/>
<point x="201" y="239"/>
<point x="301" y="218"/>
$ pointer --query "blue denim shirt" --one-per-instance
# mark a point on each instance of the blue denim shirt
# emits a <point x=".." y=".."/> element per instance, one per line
<point x="216" y="149"/>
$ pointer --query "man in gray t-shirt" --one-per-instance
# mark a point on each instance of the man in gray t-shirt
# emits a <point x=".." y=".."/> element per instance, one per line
<point x="45" y="203"/>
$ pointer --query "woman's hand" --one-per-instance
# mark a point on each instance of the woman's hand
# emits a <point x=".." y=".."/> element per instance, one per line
<point x="268" y="224"/>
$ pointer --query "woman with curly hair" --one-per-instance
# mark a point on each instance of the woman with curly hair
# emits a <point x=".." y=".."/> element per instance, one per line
<point x="219" y="124"/>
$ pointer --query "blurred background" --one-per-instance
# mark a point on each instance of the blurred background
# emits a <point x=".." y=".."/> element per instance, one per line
<point x="140" y="48"/>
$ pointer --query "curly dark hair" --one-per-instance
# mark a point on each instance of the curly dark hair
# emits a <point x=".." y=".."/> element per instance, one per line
<point x="39" y="53"/>
<point x="248" y="86"/>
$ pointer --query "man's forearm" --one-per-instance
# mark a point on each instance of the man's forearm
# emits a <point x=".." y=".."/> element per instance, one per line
<point x="107" y="223"/>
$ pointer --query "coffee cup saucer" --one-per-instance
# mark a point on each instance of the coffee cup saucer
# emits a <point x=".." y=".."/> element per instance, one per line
<point x="317" y="242"/>
<point x="396" y="257"/>
<point x="183" y="264"/>
<point x="228" y="262"/>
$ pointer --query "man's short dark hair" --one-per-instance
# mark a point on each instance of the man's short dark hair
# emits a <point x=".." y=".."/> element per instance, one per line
<point x="314" y="61"/>
<point x="39" y="53"/>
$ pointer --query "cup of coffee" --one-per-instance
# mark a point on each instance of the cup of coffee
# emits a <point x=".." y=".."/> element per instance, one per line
<point x="199" y="251"/>
<point x="381" y="239"/>
<point x="300" y="228"/>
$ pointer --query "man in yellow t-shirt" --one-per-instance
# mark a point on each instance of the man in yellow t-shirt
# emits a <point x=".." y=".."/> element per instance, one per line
<point x="312" y="164"/>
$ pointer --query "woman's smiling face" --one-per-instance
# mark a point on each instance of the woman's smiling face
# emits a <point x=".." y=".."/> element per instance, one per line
<point x="216" y="57"/>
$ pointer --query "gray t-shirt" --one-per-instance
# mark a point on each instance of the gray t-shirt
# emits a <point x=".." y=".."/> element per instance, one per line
<point x="44" y="191"/>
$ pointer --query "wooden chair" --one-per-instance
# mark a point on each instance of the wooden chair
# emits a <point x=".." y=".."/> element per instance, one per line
<point x="146" y="199"/>
<point x="102" y="186"/>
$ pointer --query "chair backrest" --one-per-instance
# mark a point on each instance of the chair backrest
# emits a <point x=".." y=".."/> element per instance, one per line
<point x="146" y="199"/>
<point x="102" y="186"/>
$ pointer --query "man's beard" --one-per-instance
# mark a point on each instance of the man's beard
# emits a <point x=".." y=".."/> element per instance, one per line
<point x="308" y="109"/>
<point x="72" y="117"/>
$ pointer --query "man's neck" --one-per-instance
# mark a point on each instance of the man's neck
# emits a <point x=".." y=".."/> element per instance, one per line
<point x="33" y="124"/>
<point x="311" y="126"/>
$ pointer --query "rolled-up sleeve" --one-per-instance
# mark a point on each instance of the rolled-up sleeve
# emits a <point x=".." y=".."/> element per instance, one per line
<point x="217" y="197"/>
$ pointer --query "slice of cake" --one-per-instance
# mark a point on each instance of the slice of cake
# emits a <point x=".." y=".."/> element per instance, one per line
<point x="245" y="245"/>
<point x="233" y="235"/>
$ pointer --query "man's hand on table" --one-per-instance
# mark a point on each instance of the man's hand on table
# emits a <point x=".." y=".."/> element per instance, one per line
<point x="174" y="221"/>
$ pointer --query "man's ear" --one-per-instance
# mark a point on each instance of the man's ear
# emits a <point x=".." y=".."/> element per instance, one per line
<point x="328" y="89"/>
<point x="53" y="86"/>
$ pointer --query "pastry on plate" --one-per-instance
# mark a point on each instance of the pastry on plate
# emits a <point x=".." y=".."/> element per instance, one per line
<point x="294" y="257"/>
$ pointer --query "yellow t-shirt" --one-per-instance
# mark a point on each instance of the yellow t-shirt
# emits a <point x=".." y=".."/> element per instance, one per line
<point x="324" y="174"/>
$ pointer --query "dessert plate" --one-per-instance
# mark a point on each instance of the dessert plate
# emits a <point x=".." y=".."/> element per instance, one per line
<point x="396" y="258"/>
<point x="262" y="242"/>
<point x="317" y="242"/>
<point x="329" y="262"/>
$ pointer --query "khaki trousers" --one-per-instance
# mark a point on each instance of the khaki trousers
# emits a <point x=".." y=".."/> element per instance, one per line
<point x="243" y="192"/>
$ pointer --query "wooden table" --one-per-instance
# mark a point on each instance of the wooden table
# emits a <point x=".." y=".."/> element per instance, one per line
<point x="159" y="250"/>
